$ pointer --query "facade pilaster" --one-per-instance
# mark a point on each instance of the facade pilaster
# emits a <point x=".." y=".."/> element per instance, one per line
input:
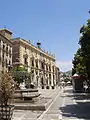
<point x="1" y="55"/>
<point x="51" y="76"/>
<point x="48" y="76"/>
<point x="39" y="77"/>
<point x="54" y="75"/>
<point x="34" y="71"/>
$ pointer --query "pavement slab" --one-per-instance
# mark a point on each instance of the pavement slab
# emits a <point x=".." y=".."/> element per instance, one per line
<point x="66" y="105"/>
<point x="26" y="115"/>
<point x="51" y="117"/>
<point x="46" y="95"/>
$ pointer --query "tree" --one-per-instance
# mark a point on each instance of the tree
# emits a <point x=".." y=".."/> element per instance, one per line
<point x="18" y="74"/>
<point x="7" y="88"/>
<point x="78" y="63"/>
<point x="21" y="75"/>
<point x="85" y="47"/>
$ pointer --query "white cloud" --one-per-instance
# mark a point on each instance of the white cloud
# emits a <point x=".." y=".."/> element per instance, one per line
<point x="64" y="65"/>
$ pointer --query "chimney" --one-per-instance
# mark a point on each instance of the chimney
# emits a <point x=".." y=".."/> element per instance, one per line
<point x="6" y="33"/>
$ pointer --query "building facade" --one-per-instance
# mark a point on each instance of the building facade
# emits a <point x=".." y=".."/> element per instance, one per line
<point x="40" y="63"/>
<point x="5" y="50"/>
<point x="57" y="76"/>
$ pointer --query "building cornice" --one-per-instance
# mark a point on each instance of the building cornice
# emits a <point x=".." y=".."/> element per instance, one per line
<point x="9" y="41"/>
<point x="28" y="44"/>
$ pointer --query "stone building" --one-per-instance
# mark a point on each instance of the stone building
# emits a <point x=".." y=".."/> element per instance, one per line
<point x="40" y="63"/>
<point x="5" y="50"/>
<point x="57" y="76"/>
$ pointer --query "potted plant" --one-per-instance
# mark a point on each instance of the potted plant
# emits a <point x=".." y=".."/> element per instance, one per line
<point x="6" y="96"/>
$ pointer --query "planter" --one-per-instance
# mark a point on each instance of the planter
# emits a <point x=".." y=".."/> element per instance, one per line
<point x="6" y="112"/>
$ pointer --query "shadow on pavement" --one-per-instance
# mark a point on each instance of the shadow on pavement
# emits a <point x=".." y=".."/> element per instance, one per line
<point x="80" y="110"/>
<point x="82" y="97"/>
<point x="79" y="97"/>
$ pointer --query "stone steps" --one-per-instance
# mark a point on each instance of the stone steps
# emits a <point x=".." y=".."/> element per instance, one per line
<point x="35" y="105"/>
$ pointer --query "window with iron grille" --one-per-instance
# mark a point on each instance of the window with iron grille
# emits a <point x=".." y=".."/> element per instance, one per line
<point x="2" y="63"/>
<point x="33" y="63"/>
<point x="10" y="53"/>
<point x="49" y="68"/>
<point x="25" y="61"/>
<point x="37" y="64"/>
<point x="3" y="47"/>
<point x="7" y="50"/>
<point x="3" y="56"/>
<point x="42" y="64"/>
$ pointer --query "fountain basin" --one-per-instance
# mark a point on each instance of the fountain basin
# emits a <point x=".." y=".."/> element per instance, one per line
<point x="26" y="94"/>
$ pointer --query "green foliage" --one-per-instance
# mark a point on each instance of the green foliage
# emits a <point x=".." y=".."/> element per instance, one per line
<point x="78" y="63"/>
<point x="19" y="68"/>
<point x="20" y="74"/>
<point x="85" y="46"/>
<point x="6" y="88"/>
<point x="82" y="30"/>
<point x="81" y="62"/>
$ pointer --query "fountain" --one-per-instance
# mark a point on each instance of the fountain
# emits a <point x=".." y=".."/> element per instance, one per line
<point x="26" y="93"/>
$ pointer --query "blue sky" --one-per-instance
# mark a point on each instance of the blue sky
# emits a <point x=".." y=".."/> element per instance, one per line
<point x="55" y="23"/>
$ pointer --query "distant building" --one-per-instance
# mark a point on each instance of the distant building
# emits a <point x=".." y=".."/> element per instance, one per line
<point x="5" y="50"/>
<point x="35" y="60"/>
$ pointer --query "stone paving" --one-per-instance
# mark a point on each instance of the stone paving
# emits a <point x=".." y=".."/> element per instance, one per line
<point x="34" y="115"/>
<point x="26" y="115"/>
<point x="75" y="106"/>
<point x="49" y="93"/>
<point x="68" y="106"/>
<point x="65" y="106"/>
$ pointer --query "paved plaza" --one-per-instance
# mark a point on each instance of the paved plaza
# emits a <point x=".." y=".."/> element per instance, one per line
<point x="65" y="105"/>
<point x="48" y="94"/>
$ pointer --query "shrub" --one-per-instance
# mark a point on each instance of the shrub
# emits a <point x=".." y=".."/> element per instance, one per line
<point x="6" y="88"/>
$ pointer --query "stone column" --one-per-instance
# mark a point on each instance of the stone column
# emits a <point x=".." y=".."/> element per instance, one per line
<point x="55" y="76"/>
<point x="51" y="76"/>
<point x="52" y="84"/>
<point x="45" y="76"/>
<point x="55" y="79"/>
<point x="34" y="73"/>
<point x="38" y="82"/>
<point x="1" y="55"/>
<point x="39" y="76"/>
<point x="48" y="81"/>
<point x="48" y="77"/>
